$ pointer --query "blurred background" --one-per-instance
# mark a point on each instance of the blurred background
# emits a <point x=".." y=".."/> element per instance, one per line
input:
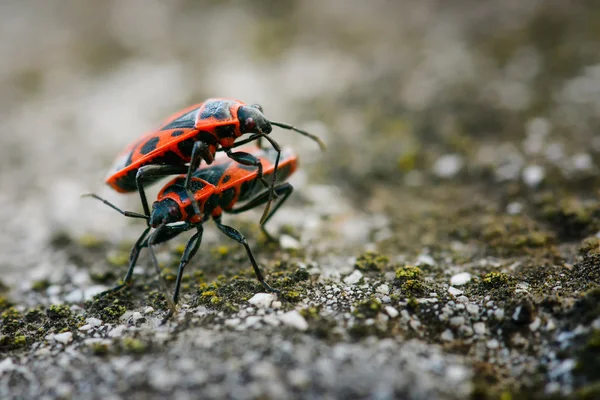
<point x="422" y="104"/>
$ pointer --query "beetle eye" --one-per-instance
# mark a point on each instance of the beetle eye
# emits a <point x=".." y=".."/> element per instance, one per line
<point x="173" y="211"/>
<point x="258" y="107"/>
<point x="250" y="124"/>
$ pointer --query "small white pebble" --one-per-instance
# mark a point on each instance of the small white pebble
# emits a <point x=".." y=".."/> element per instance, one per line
<point x="447" y="335"/>
<point x="457" y="321"/>
<point x="460" y="279"/>
<point x="391" y="311"/>
<point x="454" y="291"/>
<point x="414" y="324"/>
<point x="535" y="325"/>
<point x="288" y="242"/>
<point x="473" y="309"/>
<point x="233" y="322"/>
<point x="492" y="344"/>
<point x="64" y="337"/>
<point x="425" y="259"/>
<point x="85" y="328"/>
<point x="462" y="299"/>
<point x="117" y="331"/>
<point x="499" y="314"/>
<point x="93" y="321"/>
<point x="137" y="316"/>
<point x="514" y="208"/>
<point x="533" y="175"/>
<point x="479" y="328"/>
<point x="383" y="289"/>
<point x="353" y="278"/>
<point x="262" y="300"/>
<point x="448" y="165"/>
<point x="294" y="319"/>
<point x="276" y="304"/>
<point x="148" y="310"/>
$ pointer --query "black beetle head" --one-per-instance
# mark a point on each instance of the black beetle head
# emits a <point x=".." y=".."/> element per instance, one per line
<point x="165" y="211"/>
<point x="252" y="120"/>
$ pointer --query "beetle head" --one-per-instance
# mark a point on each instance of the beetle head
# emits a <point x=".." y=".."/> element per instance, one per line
<point x="252" y="120"/>
<point x="165" y="211"/>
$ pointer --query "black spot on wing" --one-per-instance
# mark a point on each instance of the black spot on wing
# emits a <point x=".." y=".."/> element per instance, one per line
<point x="168" y="158"/>
<point x="219" y="109"/>
<point x="227" y="197"/>
<point x="187" y="120"/>
<point x="226" y="179"/>
<point x="176" y="133"/>
<point x="196" y="186"/>
<point x="212" y="174"/>
<point x="150" y="145"/>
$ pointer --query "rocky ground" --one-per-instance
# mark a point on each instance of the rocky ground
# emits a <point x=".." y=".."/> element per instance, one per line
<point x="446" y="246"/>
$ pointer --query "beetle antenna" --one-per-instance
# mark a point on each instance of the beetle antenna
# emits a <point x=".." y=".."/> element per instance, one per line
<point x="129" y="214"/>
<point x="300" y="131"/>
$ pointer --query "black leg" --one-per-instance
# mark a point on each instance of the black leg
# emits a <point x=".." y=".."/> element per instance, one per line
<point x="283" y="189"/>
<point x="190" y="250"/>
<point x="161" y="281"/>
<point x="155" y="171"/>
<point x="135" y="253"/>
<point x="273" y="180"/>
<point x="200" y="152"/>
<point x="130" y="214"/>
<point x="250" y="160"/>
<point x="238" y="237"/>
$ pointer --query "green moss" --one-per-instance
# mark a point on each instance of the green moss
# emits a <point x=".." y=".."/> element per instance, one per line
<point x="589" y="244"/>
<point x="118" y="258"/>
<point x="368" y="308"/>
<point x="134" y="346"/>
<point x="291" y="295"/>
<point x="301" y="275"/>
<point x="107" y="308"/>
<point x="371" y="261"/>
<point x="414" y="287"/>
<point x="408" y="272"/>
<point x="4" y="303"/>
<point x="571" y="217"/>
<point x="59" y="311"/>
<point x="20" y="340"/>
<point x="496" y="279"/>
<point x="89" y="241"/>
<point x="99" y="348"/>
<point x="41" y="285"/>
<point x="220" y="252"/>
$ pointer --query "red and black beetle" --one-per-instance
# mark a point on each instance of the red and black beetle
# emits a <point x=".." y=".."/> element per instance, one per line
<point x="191" y="135"/>
<point x="215" y="189"/>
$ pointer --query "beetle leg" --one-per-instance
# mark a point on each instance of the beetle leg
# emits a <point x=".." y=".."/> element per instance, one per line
<point x="133" y="256"/>
<point x="190" y="250"/>
<point x="238" y="237"/>
<point x="283" y="189"/>
<point x="273" y="180"/>
<point x="200" y="152"/>
<point x="154" y="171"/>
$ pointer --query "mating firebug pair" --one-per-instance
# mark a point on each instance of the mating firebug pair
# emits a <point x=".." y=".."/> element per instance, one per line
<point x="178" y="147"/>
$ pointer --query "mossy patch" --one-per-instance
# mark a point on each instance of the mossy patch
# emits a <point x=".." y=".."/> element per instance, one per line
<point x="371" y="261"/>
<point x="108" y="308"/>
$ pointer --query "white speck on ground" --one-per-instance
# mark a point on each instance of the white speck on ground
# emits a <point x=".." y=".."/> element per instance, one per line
<point x="353" y="278"/>
<point x="262" y="300"/>
<point x="294" y="319"/>
<point x="533" y="175"/>
<point x="454" y="291"/>
<point x="447" y="166"/>
<point x="64" y="338"/>
<point x="460" y="279"/>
